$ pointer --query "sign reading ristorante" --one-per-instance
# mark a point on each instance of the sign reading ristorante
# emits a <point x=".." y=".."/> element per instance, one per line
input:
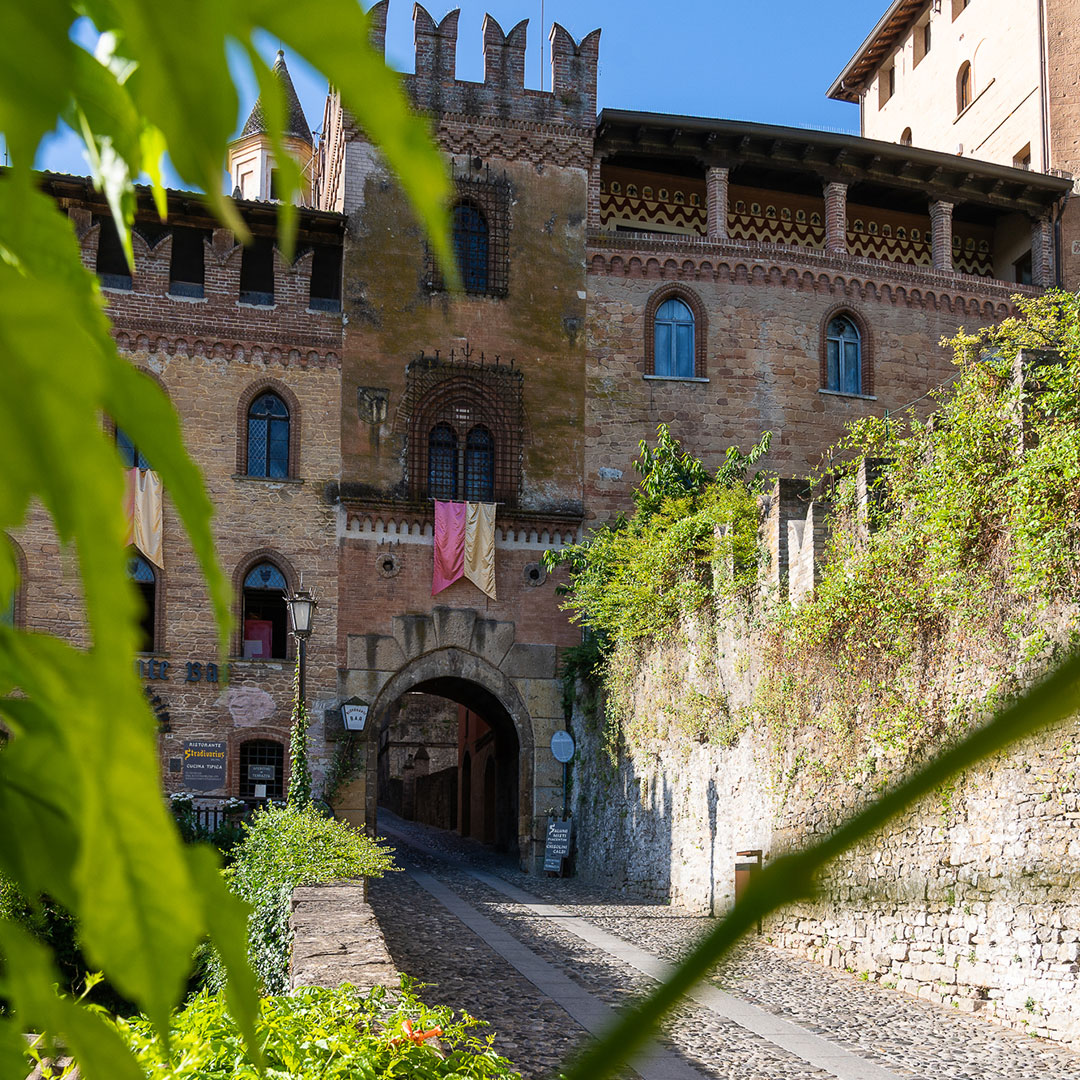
<point x="204" y="764"/>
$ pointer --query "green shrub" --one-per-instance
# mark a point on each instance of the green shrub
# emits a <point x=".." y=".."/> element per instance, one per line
<point x="320" y="1034"/>
<point x="284" y="847"/>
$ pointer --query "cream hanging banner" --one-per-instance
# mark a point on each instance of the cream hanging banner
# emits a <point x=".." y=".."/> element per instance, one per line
<point x="143" y="508"/>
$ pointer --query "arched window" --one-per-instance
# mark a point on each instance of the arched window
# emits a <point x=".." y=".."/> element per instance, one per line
<point x="442" y="463"/>
<point x="673" y="340"/>
<point x="963" y="88"/>
<point x="268" y="437"/>
<point x="470" y="234"/>
<point x="130" y="454"/>
<point x="905" y="139"/>
<point x="266" y="759"/>
<point x="142" y="573"/>
<point x="265" y="623"/>
<point x="843" y="357"/>
<point x="479" y="465"/>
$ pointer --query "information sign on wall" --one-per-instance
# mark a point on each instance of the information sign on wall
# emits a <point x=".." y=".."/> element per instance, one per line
<point x="204" y="765"/>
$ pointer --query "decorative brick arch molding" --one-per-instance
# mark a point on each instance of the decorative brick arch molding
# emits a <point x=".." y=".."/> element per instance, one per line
<point x="458" y="654"/>
<point x="689" y="297"/>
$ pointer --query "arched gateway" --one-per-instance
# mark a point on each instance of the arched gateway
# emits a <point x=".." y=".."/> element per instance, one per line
<point x="477" y="664"/>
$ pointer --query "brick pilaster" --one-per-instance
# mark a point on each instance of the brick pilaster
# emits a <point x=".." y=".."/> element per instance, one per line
<point x="716" y="199"/>
<point x="593" y="196"/>
<point x="836" y="218"/>
<point x="1042" y="252"/>
<point x="941" y="235"/>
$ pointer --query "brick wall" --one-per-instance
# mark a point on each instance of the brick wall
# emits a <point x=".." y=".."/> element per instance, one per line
<point x="766" y="308"/>
<point x="206" y="355"/>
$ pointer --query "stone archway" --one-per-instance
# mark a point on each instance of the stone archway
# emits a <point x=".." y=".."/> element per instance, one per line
<point x="460" y="654"/>
<point x="469" y="680"/>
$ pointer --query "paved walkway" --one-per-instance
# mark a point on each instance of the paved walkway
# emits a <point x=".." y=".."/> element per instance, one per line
<point x="546" y="960"/>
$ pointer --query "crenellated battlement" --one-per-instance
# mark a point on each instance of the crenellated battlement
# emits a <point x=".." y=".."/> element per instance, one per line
<point x="436" y="89"/>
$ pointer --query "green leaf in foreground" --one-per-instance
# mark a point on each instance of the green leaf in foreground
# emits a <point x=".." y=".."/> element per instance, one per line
<point x="794" y="877"/>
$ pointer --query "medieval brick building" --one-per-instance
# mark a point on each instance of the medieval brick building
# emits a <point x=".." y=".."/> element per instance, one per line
<point x="620" y="270"/>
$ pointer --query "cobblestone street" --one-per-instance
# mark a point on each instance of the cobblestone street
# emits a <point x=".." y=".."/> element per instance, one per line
<point x="546" y="967"/>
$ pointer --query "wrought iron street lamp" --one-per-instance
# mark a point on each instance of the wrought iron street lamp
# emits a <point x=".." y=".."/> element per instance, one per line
<point x="301" y="607"/>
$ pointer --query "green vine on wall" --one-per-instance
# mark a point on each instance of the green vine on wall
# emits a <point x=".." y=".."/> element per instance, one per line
<point x="944" y="589"/>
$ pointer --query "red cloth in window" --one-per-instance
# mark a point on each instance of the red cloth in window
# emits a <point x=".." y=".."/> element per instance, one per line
<point x="261" y="630"/>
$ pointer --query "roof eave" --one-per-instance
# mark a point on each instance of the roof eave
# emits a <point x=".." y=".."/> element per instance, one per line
<point x="839" y="91"/>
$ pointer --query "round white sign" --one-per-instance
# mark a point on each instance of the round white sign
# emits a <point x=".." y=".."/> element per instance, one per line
<point x="562" y="746"/>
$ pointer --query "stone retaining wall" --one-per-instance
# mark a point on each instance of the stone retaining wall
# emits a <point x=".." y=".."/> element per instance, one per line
<point x="971" y="899"/>
<point x="337" y="939"/>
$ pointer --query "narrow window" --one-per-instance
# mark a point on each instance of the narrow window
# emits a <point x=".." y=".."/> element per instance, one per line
<point x="905" y="139"/>
<point x="963" y="88"/>
<point x="926" y="37"/>
<point x="673" y="338"/>
<point x="130" y="454"/>
<point x="886" y="84"/>
<point x="264" y="621"/>
<point x="470" y="235"/>
<point x="844" y="356"/>
<point x="479" y="465"/>
<point x="186" y="267"/>
<point x="112" y="267"/>
<point x="958" y="6"/>
<point x="1022" y="269"/>
<point x="142" y="573"/>
<point x="261" y="756"/>
<point x="268" y="437"/>
<point x="325" y="278"/>
<point x="257" y="272"/>
<point x="442" y="463"/>
<point x="274" y="193"/>
<point x="1022" y="158"/>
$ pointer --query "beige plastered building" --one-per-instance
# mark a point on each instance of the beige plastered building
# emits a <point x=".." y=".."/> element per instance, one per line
<point x="991" y="80"/>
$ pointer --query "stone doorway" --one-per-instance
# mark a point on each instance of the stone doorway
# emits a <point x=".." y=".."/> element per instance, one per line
<point x="448" y="756"/>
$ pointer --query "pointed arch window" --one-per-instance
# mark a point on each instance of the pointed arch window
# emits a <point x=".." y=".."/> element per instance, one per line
<point x="442" y="463"/>
<point x="843" y="344"/>
<point x="142" y="573"/>
<point x="470" y="238"/>
<point x="479" y="465"/>
<point x="673" y="340"/>
<point x="268" y="437"/>
<point x="265" y="623"/>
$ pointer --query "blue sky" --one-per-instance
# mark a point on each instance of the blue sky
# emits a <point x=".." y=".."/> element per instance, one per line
<point x="769" y="61"/>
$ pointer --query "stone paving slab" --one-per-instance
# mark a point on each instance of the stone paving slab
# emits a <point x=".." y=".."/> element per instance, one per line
<point x="910" y="1037"/>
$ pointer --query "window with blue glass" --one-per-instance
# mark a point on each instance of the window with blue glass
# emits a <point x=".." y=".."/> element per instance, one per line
<point x="673" y="340"/>
<point x="442" y="463"/>
<point x="142" y="573"/>
<point x="479" y="465"/>
<point x="268" y="437"/>
<point x="843" y="357"/>
<point x="470" y="237"/>
<point x="265" y="620"/>
<point x="130" y="454"/>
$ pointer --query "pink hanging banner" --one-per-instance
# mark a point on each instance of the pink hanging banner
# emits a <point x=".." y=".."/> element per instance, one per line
<point x="449" y="545"/>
